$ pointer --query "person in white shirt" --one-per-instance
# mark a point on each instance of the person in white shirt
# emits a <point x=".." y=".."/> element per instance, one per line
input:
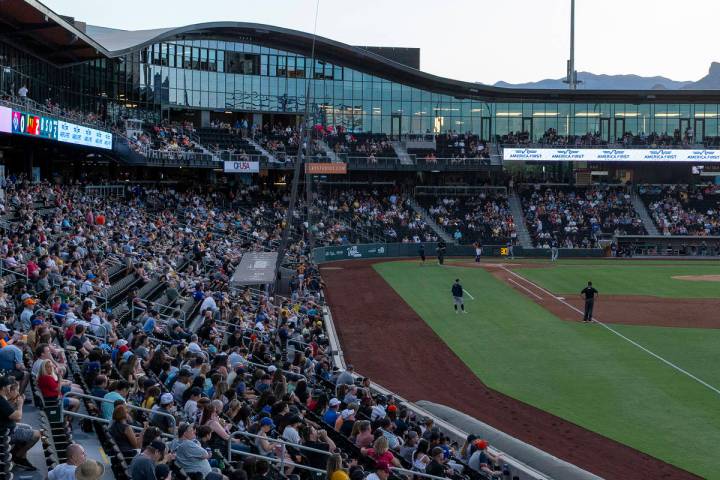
<point x="209" y="304"/>
<point x="290" y="433"/>
<point x="66" y="471"/>
<point x="23" y="91"/>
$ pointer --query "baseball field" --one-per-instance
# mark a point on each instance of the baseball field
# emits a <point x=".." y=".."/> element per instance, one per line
<point x="645" y="375"/>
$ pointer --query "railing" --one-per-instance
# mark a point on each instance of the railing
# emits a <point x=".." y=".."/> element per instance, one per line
<point x="100" y="399"/>
<point x="105" y="190"/>
<point x="180" y="158"/>
<point x="281" y="461"/>
<point x="457" y="190"/>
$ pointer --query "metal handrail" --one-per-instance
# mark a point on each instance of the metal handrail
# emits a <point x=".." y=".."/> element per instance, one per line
<point x="415" y="473"/>
<point x="100" y="399"/>
<point x="284" y="371"/>
<point x="104" y="420"/>
<point x="281" y="461"/>
<point x="275" y="440"/>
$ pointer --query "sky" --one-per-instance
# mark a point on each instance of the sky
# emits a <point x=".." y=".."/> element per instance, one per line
<point x="472" y="40"/>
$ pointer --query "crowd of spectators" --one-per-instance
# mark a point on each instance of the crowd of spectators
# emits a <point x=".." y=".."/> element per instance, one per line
<point x="574" y="217"/>
<point x="239" y="372"/>
<point x="683" y="209"/>
<point x="485" y="217"/>
<point x="678" y="139"/>
<point x="377" y="214"/>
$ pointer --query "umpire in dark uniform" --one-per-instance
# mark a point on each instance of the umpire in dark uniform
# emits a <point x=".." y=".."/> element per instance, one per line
<point x="441" y="247"/>
<point x="589" y="293"/>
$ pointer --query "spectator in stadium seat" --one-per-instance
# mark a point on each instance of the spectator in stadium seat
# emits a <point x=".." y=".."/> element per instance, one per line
<point x="387" y="428"/>
<point x="90" y="470"/>
<point x="332" y="412"/>
<point x="22" y="436"/>
<point x="191" y="456"/>
<point x="410" y="445"/>
<point x="118" y="392"/>
<point x="319" y="440"/>
<point x="437" y="466"/>
<point x="52" y="387"/>
<point x="380" y="452"/>
<point x="363" y="437"/>
<point x="346" y="377"/>
<point x="163" y="416"/>
<point x="142" y="466"/>
<point x="382" y="472"/>
<point x="66" y="471"/>
<point x="124" y="436"/>
<point x="335" y="469"/>
<point x="481" y="460"/>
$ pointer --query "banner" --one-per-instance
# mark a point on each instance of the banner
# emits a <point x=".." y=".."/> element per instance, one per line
<point x="86" y="136"/>
<point x="241" y="167"/>
<point x="371" y="250"/>
<point x="609" y="155"/>
<point x="335" y="168"/>
<point x="5" y="120"/>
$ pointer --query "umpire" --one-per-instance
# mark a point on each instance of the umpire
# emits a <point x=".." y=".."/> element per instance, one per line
<point x="589" y="293"/>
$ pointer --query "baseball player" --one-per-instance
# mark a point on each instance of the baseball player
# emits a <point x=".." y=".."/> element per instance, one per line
<point x="457" y="293"/>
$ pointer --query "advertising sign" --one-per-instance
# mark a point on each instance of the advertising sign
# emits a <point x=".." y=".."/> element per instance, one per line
<point x="241" y="167"/>
<point x="609" y="155"/>
<point x="5" y="120"/>
<point x="335" y="168"/>
<point x="355" y="251"/>
<point x="86" y="136"/>
<point x="34" y="125"/>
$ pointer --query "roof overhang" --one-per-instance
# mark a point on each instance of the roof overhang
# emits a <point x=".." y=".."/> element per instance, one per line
<point x="33" y="28"/>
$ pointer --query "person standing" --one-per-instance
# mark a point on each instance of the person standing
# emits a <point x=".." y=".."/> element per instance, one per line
<point x="441" y="247"/>
<point x="554" y="251"/>
<point x="510" y="249"/>
<point x="457" y="293"/>
<point x="478" y="251"/>
<point x="589" y="293"/>
<point x="422" y="254"/>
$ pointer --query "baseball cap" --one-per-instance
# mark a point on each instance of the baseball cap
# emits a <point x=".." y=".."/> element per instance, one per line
<point x="91" y="276"/>
<point x="392" y="408"/>
<point x="267" y="422"/>
<point x="481" y="444"/>
<point x="272" y="369"/>
<point x="166" y="399"/>
<point x="122" y="342"/>
<point x="347" y="413"/>
<point x="4" y="328"/>
<point x="158" y="445"/>
<point x="6" y="380"/>
<point x="334" y="402"/>
<point x="25" y="296"/>
<point x="35" y="322"/>
<point x="30" y="301"/>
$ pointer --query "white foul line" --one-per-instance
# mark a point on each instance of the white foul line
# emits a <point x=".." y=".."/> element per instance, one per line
<point x="633" y="342"/>
<point x="468" y="294"/>
<point x="526" y="289"/>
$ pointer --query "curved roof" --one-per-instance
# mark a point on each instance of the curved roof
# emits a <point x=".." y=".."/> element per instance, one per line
<point x="94" y="42"/>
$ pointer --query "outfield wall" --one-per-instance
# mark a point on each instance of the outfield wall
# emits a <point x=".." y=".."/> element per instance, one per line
<point x="410" y="250"/>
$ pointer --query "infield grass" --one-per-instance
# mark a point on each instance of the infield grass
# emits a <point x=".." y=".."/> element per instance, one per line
<point x="582" y="373"/>
<point x="627" y="278"/>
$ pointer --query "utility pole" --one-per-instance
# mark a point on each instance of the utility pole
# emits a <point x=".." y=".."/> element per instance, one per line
<point x="571" y="78"/>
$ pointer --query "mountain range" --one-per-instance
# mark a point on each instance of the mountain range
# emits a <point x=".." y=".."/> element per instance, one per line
<point x="592" y="81"/>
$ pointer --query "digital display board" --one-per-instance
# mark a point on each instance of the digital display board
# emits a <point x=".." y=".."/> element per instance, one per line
<point x="81" y="135"/>
<point x="609" y="155"/>
<point x="32" y="125"/>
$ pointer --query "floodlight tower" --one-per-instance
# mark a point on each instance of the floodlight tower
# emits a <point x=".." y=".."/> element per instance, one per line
<point x="571" y="78"/>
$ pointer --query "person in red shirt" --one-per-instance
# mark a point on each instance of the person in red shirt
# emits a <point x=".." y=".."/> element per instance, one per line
<point x="53" y="387"/>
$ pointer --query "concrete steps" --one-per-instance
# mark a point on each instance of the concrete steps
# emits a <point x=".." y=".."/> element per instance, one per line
<point x="643" y="213"/>
<point x="429" y="220"/>
<point x="523" y="235"/>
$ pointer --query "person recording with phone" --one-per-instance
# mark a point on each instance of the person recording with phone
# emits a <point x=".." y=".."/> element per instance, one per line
<point x="22" y="436"/>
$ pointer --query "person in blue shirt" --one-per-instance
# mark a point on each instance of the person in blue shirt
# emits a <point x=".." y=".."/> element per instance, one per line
<point x="332" y="412"/>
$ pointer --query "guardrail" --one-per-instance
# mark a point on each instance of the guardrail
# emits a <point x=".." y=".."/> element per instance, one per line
<point x="284" y="443"/>
<point x="100" y="399"/>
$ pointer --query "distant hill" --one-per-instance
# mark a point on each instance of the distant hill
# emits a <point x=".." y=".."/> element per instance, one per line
<point x="591" y="81"/>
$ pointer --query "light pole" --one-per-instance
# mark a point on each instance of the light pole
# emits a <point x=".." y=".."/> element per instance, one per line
<point x="571" y="78"/>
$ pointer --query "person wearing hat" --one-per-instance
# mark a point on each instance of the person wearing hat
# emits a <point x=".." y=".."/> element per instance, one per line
<point x="11" y="361"/>
<point x="87" y="286"/>
<point x="437" y="463"/>
<point x="22" y="436"/>
<point x="382" y="472"/>
<point x="90" y="470"/>
<point x="5" y="338"/>
<point x="27" y="313"/>
<point x="162" y="472"/>
<point x="142" y="466"/>
<point x="191" y="456"/>
<point x="332" y="412"/>
<point x="163" y="418"/>
<point x="264" y="446"/>
<point x="411" y="442"/>
<point x="66" y="471"/>
<point x="481" y="460"/>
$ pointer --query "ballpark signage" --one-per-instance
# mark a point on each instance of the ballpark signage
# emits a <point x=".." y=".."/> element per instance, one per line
<point x="335" y="168"/>
<point x="5" y="120"/>
<point x="86" y="136"/>
<point x="40" y="126"/>
<point x="241" y="167"/>
<point x="355" y="251"/>
<point x="609" y="155"/>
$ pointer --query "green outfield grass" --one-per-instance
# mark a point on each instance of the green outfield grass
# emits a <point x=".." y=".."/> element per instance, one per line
<point x="627" y="278"/>
<point x="580" y="372"/>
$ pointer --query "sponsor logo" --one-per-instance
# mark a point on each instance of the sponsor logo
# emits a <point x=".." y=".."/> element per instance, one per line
<point x="353" y="252"/>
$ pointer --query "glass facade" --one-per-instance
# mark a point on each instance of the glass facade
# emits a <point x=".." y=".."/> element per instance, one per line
<point x="224" y="76"/>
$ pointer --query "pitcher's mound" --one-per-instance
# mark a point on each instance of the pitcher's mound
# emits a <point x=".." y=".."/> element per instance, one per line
<point x="698" y="278"/>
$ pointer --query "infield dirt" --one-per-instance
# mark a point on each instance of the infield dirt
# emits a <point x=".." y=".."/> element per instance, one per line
<point x="386" y="340"/>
